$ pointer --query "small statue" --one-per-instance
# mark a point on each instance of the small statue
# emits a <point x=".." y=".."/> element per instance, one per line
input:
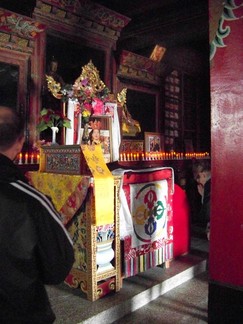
<point x="52" y="71"/>
<point x="54" y="81"/>
<point x="130" y="126"/>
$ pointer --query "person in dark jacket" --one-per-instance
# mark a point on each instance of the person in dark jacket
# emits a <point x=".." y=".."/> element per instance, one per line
<point x="202" y="175"/>
<point x="35" y="248"/>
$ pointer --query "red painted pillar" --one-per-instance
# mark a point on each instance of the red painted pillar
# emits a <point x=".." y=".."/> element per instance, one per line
<point x="226" y="237"/>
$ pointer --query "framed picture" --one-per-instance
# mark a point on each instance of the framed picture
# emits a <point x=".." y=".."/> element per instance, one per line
<point x="100" y="132"/>
<point x="154" y="142"/>
<point x="109" y="108"/>
<point x="132" y="146"/>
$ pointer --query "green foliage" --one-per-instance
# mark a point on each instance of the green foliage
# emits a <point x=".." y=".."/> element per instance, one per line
<point x="50" y="118"/>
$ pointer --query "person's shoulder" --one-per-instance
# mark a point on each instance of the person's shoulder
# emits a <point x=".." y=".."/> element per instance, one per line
<point x="18" y="195"/>
<point x="35" y="200"/>
<point x="208" y="183"/>
<point x="29" y="193"/>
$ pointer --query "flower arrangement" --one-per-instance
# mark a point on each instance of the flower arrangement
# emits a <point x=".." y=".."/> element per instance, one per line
<point x="89" y="90"/>
<point x="86" y="113"/>
<point x="50" y="118"/>
<point x="86" y="97"/>
<point x="91" y="98"/>
<point x="86" y="90"/>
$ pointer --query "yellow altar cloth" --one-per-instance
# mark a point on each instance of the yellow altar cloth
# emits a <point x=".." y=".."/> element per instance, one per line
<point x="69" y="191"/>
<point x="103" y="184"/>
<point x="66" y="191"/>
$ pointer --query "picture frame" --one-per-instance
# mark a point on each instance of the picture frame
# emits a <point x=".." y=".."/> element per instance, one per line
<point x="110" y="108"/>
<point x="132" y="146"/>
<point x="154" y="142"/>
<point x="100" y="132"/>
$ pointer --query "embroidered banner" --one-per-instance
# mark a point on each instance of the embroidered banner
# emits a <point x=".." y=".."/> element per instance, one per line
<point x="103" y="184"/>
<point x="149" y="211"/>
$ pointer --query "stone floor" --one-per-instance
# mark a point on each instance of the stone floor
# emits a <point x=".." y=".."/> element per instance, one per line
<point x="186" y="303"/>
<point x="174" y="295"/>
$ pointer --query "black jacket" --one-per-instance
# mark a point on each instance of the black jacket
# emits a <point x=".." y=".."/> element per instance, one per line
<point x="205" y="210"/>
<point x="35" y="249"/>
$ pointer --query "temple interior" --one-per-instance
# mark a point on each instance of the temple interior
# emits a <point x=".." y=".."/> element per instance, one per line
<point x="121" y="99"/>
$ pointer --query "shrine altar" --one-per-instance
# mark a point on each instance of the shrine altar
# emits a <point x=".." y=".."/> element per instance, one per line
<point x="148" y="227"/>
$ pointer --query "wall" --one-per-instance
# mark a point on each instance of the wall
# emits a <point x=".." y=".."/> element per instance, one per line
<point x="226" y="241"/>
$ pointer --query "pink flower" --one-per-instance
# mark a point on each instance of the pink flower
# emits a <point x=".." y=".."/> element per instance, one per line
<point x="87" y="106"/>
<point x="98" y="106"/>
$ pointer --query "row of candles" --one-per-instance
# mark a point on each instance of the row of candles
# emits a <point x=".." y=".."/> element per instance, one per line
<point x="153" y="156"/>
<point x="28" y="158"/>
<point x="34" y="158"/>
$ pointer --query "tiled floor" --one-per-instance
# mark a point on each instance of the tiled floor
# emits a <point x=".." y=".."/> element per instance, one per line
<point x="174" y="295"/>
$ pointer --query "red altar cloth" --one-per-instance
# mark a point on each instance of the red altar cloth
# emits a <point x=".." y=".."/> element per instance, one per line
<point x="181" y="222"/>
<point x="149" y="194"/>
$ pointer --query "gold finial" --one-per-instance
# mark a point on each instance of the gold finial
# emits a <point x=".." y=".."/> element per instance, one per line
<point x="130" y="126"/>
<point x="88" y="79"/>
<point x="122" y="96"/>
<point x="91" y="74"/>
<point x="54" y="87"/>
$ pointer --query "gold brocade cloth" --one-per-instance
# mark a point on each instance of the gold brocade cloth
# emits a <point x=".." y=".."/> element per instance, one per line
<point x="69" y="191"/>
<point x="66" y="191"/>
<point x="103" y="184"/>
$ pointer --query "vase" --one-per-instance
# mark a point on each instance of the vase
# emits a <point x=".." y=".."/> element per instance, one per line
<point x="54" y="135"/>
<point x="85" y="137"/>
<point x="104" y="256"/>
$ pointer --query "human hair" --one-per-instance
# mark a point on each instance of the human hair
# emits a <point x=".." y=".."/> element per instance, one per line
<point x="201" y="166"/>
<point x="11" y="127"/>
<point x="91" y="134"/>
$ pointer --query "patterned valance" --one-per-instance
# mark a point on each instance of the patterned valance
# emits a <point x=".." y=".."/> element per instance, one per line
<point x="84" y="15"/>
<point x="139" y="68"/>
<point x="18" y="32"/>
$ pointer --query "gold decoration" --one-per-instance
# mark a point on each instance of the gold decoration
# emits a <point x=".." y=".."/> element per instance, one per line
<point x="122" y="97"/>
<point x="130" y="126"/>
<point x="54" y="87"/>
<point x="91" y="74"/>
<point x="87" y="86"/>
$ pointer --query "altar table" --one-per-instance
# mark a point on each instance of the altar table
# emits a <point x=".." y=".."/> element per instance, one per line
<point x="104" y="254"/>
<point x="96" y="269"/>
